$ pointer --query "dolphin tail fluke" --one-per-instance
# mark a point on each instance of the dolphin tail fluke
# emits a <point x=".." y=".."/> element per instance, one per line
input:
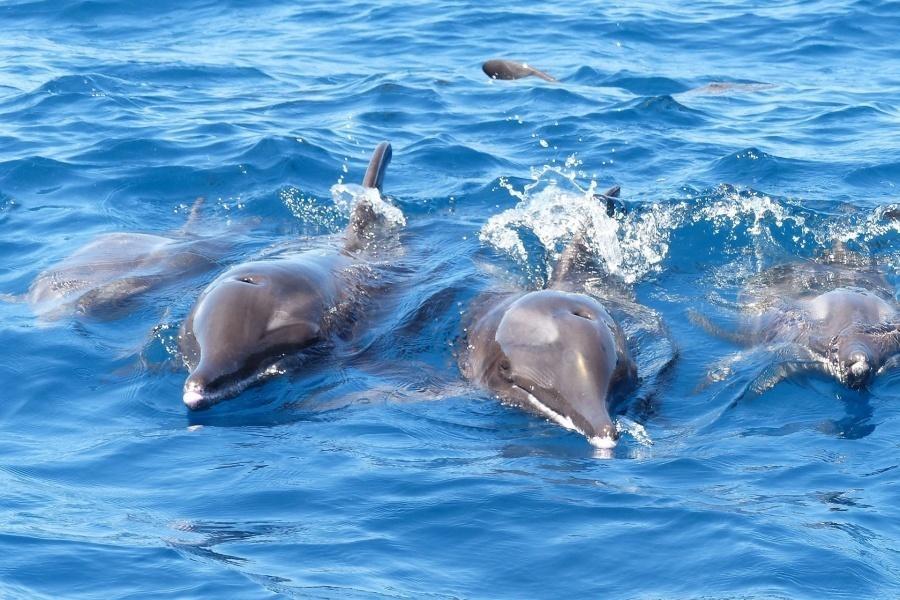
<point x="381" y="158"/>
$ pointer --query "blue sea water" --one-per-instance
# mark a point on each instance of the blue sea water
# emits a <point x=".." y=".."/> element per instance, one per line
<point x="737" y="130"/>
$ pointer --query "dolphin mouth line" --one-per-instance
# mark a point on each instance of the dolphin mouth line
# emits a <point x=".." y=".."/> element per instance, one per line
<point x="602" y="443"/>
<point x="196" y="400"/>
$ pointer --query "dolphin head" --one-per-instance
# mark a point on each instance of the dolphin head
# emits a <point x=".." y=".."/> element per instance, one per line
<point x="245" y="321"/>
<point x="560" y="352"/>
<point x="857" y="323"/>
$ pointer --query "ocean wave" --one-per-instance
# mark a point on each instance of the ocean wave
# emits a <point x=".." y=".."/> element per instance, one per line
<point x="642" y="85"/>
<point x="656" y="111"/>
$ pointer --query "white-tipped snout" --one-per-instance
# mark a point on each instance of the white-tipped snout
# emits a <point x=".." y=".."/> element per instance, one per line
<point x="603" y="443"/>
<point x="193" y="399"/>
<point x="859" y="364"/>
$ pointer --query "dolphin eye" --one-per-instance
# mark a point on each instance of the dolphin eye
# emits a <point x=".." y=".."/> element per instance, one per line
<point x="580" y="312"/>
<point x="505" y="369"/>
<point x="248" y="279"/>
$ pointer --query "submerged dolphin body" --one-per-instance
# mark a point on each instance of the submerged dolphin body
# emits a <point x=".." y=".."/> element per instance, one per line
<point x="101" y="278"/>
<point x="257" y="313"/>
<point x="556" y="351"/>
<point x="835" y="315"/>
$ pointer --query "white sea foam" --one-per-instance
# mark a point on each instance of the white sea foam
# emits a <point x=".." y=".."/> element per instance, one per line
<point x="555" y="208"/>
<point x="346" y="195"/>
<point x="309" y="209"/>
<point x="634" y="429"/>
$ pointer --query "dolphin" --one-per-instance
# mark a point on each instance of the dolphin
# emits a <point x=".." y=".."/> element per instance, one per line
<point x="506" y="69"/>
<point x="104" y="276"/>
<point x="556" y="351"/>
<point x="834" y="315"/>
<point x="258" y="313"/>
<point x="721" y="88"/>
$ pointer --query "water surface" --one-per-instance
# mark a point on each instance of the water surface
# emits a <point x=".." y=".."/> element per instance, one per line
<point x="378" y="472"/>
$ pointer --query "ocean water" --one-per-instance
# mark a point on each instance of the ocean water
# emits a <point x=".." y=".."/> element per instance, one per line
<point x="741" y="133"/>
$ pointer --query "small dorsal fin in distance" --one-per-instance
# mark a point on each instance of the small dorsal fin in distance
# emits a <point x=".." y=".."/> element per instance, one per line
<point x="891" y="213"/>
<point x="610" y="197"/>
<point x="613" y="192"/>
<point x="497" y="68"/>
<point x="364" y="216"/>
<point x="574" y="254"/>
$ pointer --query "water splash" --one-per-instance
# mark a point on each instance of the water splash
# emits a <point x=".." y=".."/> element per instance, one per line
<point x="554" y="208"/>
<point x="634" y="429"/>
<point x="728" y="207"/>
<point x="309" y="209"/>
<point x="333" y="217"/>
<point x="346" y="195"/>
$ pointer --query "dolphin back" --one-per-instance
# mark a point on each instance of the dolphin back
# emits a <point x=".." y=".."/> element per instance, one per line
<point x="378" y="164"/>
<point x="497" y="68"/>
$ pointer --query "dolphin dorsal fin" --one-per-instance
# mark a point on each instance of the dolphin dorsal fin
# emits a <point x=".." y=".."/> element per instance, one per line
<point x="378" y="164"/>
<point x="611" y="198"/>
<point x="364" y="216"/>
<point x="841" y="254"/>
<point x="839" y="251"/>
<point x="612" y="192"/>
<point x="573" y="255"/>
<point x="569" y="261"/>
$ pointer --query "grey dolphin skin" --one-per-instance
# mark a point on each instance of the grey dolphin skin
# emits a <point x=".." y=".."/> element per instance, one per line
<point x="835" y="315"/>
<point x="555" y="351"/>
<point x="258" y="313"/>
<point x="102" y="277"/>
<point x="506" y="69"/>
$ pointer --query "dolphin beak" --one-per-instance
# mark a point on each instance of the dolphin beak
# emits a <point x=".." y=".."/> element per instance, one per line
<point x="605" y="436"/>
<point x="860" y="371"/>
<point x="596" y="426"/>
<point x="193" y="397"/>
